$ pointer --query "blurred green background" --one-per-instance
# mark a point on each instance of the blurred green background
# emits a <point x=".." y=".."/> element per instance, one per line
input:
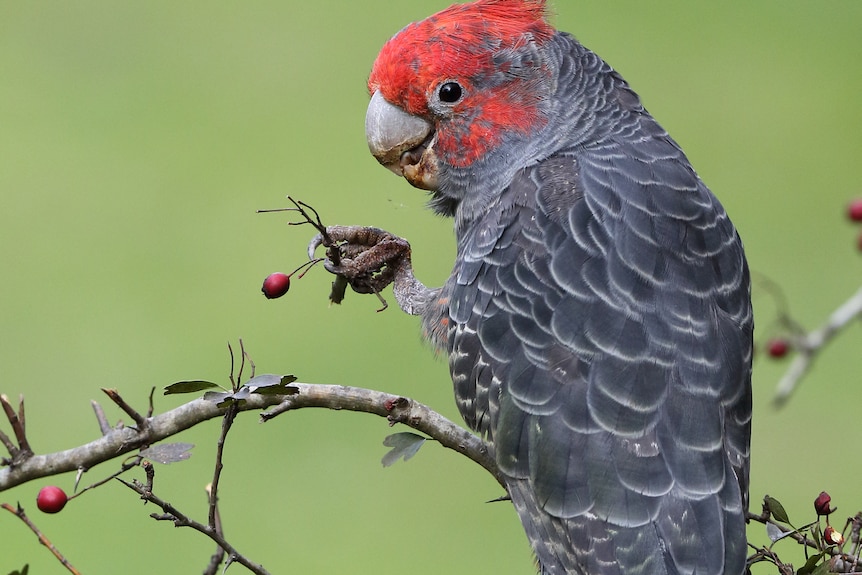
<point x="137" y="139"/>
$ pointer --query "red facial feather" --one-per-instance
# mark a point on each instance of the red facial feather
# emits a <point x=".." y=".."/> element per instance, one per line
<point x="460" y="43"/>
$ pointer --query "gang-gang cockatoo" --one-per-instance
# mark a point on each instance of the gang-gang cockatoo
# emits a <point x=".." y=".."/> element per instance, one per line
<point x="597" y="320"/>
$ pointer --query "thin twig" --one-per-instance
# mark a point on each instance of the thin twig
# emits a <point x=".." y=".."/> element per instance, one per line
<point x="227" y="422"/>
<point x="180" y="519"/>
<point x="22" y="419"/>
<point x="811" y="344"/>
<point x="104" y="426"/>
<point x="15" y="421"/>
<point x="10" y="447"/>
<point x="19" y="513"/>
<point x="247" y="357"/>
<point x="22" y="451"/>
<point x="241" y="366"/>
<point x="114" y="396"/>
<point x="131" y="463"/>
<point x="218" y="556"/>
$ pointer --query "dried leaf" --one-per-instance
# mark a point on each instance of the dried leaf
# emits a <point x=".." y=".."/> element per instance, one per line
<point x="774" y="532"/>
<point x="404" y="445"/>
<point x="217" y="396"/>
<point x="168" y="452"/>
<point x="269" y="384"/>
<point x="190" y="386"/>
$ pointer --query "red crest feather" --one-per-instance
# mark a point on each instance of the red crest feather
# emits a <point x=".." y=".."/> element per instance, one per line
<point x="456" y="42"/>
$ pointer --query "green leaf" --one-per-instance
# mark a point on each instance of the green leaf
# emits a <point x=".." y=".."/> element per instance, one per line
<point x="810" y="564"/>
<point x="821" y="569"/>
<point x="266" y="384"/>
<point x="229" y="400"/>
<point x="817" y="536"/>
<point x="168" y="452"/>
<point x="776" y="509"/>
<point x="404" y="445"/>
<point x="190" y="386"/>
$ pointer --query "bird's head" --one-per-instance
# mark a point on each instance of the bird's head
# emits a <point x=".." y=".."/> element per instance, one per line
<point x="462" y="88"/>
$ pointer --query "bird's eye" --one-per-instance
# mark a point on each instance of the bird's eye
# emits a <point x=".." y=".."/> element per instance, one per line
<point x="450" y="92"/>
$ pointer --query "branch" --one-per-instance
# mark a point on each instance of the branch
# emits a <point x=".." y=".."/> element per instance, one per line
<point x="810" y="344"/>
<point x="125" y="440"/>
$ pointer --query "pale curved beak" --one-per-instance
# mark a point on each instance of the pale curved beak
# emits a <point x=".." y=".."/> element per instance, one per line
<point x="400" y="141"/>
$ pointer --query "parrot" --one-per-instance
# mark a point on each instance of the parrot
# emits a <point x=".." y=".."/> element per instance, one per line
<point x="597" y="320"/>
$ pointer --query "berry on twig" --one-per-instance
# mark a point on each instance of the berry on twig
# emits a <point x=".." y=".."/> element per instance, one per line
<point x="777" y="348"/>
<point x="51" y="499"/>
<point x="854" y="210"/>
<point x="275" y="285"/>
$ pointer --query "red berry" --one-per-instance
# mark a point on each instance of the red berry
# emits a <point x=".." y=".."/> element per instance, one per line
<point x="275" y="285"/>
<point x="777" y="348"/>
<point x="51" y="499"/>
<point x="821" y="504"/>
<point x="854" y="210"/>
<point x="832" y="537"/>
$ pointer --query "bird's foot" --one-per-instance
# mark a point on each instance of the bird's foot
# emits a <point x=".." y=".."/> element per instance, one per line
<point x="365" y="258"/>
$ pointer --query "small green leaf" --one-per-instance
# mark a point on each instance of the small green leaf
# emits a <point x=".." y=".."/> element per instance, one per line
<point x="191" y="386"/>
<point x="229" y="400"/>
<point x="404" y="445"/>
<point x="810" y="564"/>
<point x="821" y="569"/>
<point x="168" y="452"/>
<point x="776" y="509"/>
<point x="224" y="399"/>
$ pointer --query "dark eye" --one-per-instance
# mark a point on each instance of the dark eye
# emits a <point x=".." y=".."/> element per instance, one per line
<point x="450" y="92"/>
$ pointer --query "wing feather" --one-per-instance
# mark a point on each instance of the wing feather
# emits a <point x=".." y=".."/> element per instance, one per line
<point x="601" y="336"/>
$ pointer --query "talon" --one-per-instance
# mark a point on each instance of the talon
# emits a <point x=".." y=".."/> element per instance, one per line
<point x="329" y="266"/>
<point x="315" y="243"/>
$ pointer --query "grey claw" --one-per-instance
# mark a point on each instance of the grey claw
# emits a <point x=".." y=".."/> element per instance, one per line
<point x="315" y="242"/>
